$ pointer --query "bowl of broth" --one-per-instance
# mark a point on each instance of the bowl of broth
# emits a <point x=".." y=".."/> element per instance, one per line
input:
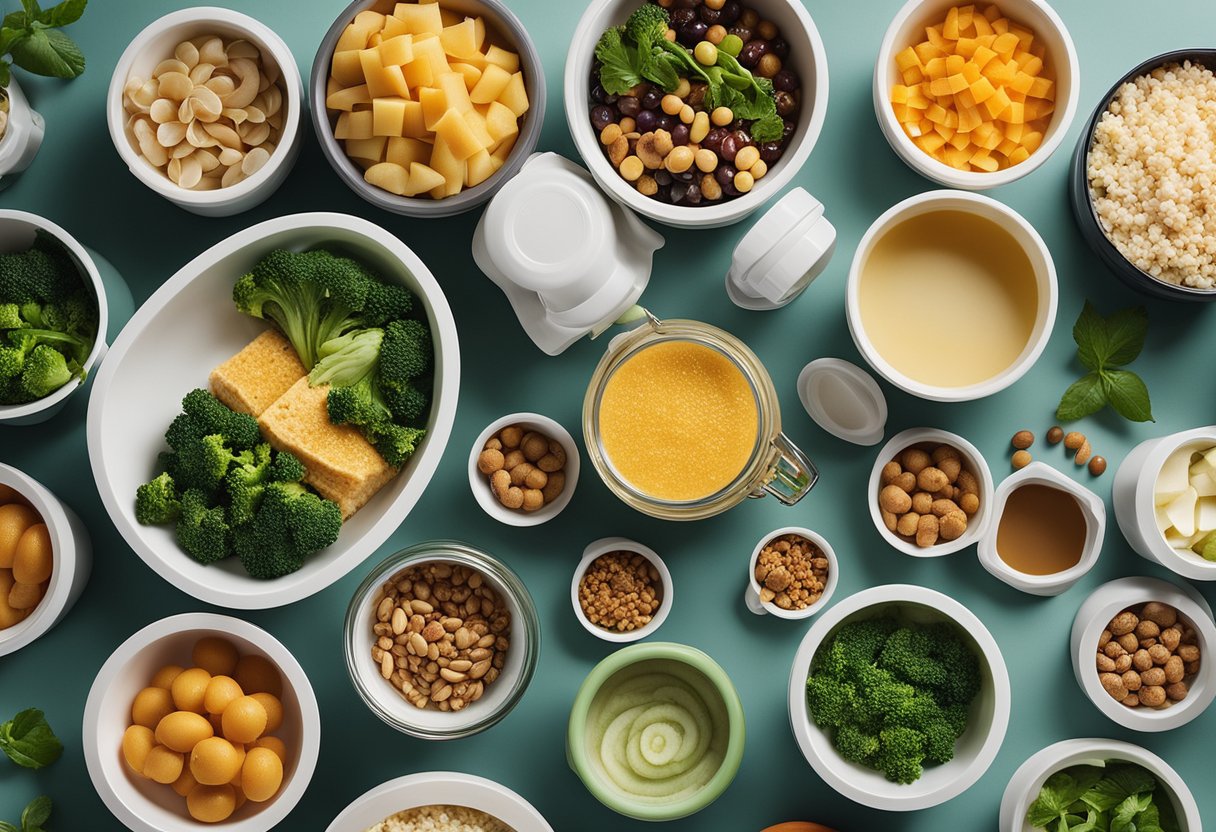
<point x="951" y="296"/>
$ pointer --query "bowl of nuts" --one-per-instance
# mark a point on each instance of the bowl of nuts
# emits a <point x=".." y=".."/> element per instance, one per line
<point x="792" y="574"/>
<point x="621" y="591"/>
<point x="931" y="492"/>
<point x="441" y="640"/>
<point x="1138" y="652"/>
<point x="523" y="469"/>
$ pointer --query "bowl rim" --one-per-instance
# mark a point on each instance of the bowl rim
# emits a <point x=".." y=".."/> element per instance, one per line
<point x="611" y="544"/>
<point x="939" y="172"/>
<point x="266" y="594"/>
<point x="1179" y="562"/>
<point x="480" y="486"/>
<point x="833" y="573"/>
<point x="894" y="595"/>
<point x="509" y="24"/>
<point x="100" y="766"/>
<point x="575" y="92"/>
<point x="996" y="213"/>
<point x="698" y="660"/>
<point x="265" y="39"/>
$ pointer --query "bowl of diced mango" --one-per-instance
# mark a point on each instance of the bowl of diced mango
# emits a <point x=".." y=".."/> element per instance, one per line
<point x="975" y="96"/>
<point x="426" y="109"/>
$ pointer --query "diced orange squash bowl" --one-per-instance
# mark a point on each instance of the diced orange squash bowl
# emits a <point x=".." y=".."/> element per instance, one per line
<point x="426" y="109"/>
<point x="976" y="95"/>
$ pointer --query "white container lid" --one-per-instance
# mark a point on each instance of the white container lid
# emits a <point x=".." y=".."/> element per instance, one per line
<point x="569" y="260"/>
<point x="844" y="400"/>
<point x="787" y="248"/>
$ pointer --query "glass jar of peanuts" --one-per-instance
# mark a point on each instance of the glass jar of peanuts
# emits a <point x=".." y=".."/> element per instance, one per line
<point x="458" y="596"/>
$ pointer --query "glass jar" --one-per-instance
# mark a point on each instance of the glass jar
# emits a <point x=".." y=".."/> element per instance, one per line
<point x="775" y="466"/>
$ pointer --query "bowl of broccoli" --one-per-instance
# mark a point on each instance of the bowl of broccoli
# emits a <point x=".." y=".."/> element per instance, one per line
<point x="899" y="697"/>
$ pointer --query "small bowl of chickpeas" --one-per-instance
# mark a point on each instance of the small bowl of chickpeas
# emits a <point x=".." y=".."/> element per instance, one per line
<point x="523" y="469"/>
<point x="200" y="719"/>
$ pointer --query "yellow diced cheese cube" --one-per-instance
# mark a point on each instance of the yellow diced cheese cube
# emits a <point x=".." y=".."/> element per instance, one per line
<point x="1042" y="88"/>
<point x="389" y="176"/>
<point x="434" y="102"/>
<point x="346" y="99"/>
<point x="382" y="80"/>
<point x="950" y="27"/>
<point x="495" y="79"/>
<point x="903" y="60"/>
<point x="397" y="51"/>
<point x="1021" y="83"/>
<point x="452" y="84"/>
<point x="955" y="64"/>
<point x="982" y="90"/>
<point x="477" y="123"/>
<point x="479" y="167"/>
<point x="501" y="57"/>
<point x="460" y="41"/>
<point x="447" y="165"/>
<point x="403" y="151"/>
<point x="503" y="149"/>
<point x="420" y="17"/>
<point x="456" y="134"/>
<point x="354" y="125"/>
<point x="515" y="95"/>
<point x="346" y="68"/>
<point x="424" y="178"/>
<point x="388" y="116"/>
<point x="501" y="122"/>
<point x="372" y="148"/>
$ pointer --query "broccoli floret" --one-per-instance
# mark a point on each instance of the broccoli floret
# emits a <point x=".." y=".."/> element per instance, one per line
<point x="856" y="745"/>
<point x="286" y="467"/>
<point x="347" y="359"/>
<point x="202" y="529"/>
<point x="291" y="524"/>
<point x="900" y="751"/>
<point x="74" y="347"/>
<point x="245" y="482"/>
<point x="854" y="647"/>
<point x="939" y="742"/>
<point x="42" y="274"/>
<point x="405" y="357"/>
<point x="386" y="302"/>
<point x="908" y="654"/>
<point x="12" y="360"/>
<point x="829" y="701"/>
<point x="10" y="316"/>
<point x="157" y="502"/>
<point x="211" y="416"/>
<point x="45" y="371"/>
<point x="394" y="442"/>
<point x="203" y="464"/>
<point x="880" y="694"/>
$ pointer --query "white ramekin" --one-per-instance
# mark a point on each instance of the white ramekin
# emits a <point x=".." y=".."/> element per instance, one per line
<point x="442" y="788"/>
<point x="146" y="806"/>
<point x="479" y="483"/>
<point x="1021" y="231"/>
<point x="908" y="29"/>
<point x="22" y="137"/>
<point x="155" y="44"/>
<point x="622" y="544"/>
<point x="751" y="596"/>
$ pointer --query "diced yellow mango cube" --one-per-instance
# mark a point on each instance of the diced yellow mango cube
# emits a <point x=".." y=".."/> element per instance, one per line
<point x="971" y="73"/>
<point x="913" y="75"/>
<point x="501" y="57"/>
<point x="926" y="52"/>
<point x="444" y="161"/>
<point x="1043" y="88"/>
<point x="1021" y="154"/>
<point x="930" y="143"/>
<point x="992" y="12"/>
<point x="983" y="56"/>
<point x="1005" y="45"/>
<point x="495" y="79"/>
<point x="982" y="90"/>
<point x="1024" y="35"/>
<point x="420" y="17"/>
<point x="477" y="123"/>
<point x="479" y="167"/>
<point x="1014" y="132"/>
<point x="354" y="125"/>
<point x="469" y="73"/>
<point x="460" y="41"/>
<point x="959" y="158"/>
<point x="998" y="103"/>
<point x="1031" y="141"/>
<point x="969" y="118"/>
<point x="944" y="131"/>
<point x="1006" y="147"/>
<point x="403" y="151"/>
<point x="397" y="51"/>
<point x="960" y="141"/>
<point x="388" y="116"/>
<point x="982" y="26"/>
<point x="936" y="114"/>
<point x="503" y="149"/>
<point x="389" y="176"/>
<point x="452" y="84"/>
<point x="955" y="64"/>
<point x="515" y="95"/>
<point x="1031" y="65"/>
<point x="1014" y="113"/>
<point x="903" y="60"/>
<point x="372" y="148"/>
<point x="950" y="27"/>
<point x="501" y="122"/>
<point x="982" y="160"/>
<point x="935" y="68"/>
<point x="965" y="14"/>
<point x="899" y="94"/>
<point x="434" y="103"/>
<point x="1037" y="108"/>
<point x="964" y="100"/>
<point x="456" y="134"/>
<point x="423" y="178"/>
<point x="346" y="69"/>
<point x="917" y="100"/>
<point x="431" y="51"/>
<point x="966" y="47"/>
<point x="394" y="27"/>
<point x="346" y="99"/>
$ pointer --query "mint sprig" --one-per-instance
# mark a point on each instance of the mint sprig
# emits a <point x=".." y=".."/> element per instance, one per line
<point x="31" y="39"/>
<point x="27" y="740"/>
<point x="1104" y="345"/>
<point x="33" y="818"/>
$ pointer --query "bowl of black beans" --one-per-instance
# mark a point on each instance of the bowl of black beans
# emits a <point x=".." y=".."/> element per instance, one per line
<point x="695" y="112"/>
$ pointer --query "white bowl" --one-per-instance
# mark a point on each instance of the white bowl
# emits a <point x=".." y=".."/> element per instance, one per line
<point x="145" y="806"/>
<point x="751" y="595"/>
<point x="908" y="28"/>
<point x="975" y="750"/>
<point x="1109" y="600"/>
<point x="1021" y="231"/>
<point x="23" y="135"/>
<point x="1028" y="780"/>
<point x="1092" y="508"/>
<point x="479" y="483"/>
<point x="808" y="59"/>
<point x="1135" y="510"/>
<point x="439" y="788"/>
<point x="71" y="554"/>
<point x="17" y="230"/>
<point x="618" y="544"/>
<point x="190" y="325"/>
<point x="155" y="44"/>
<point x="977" y="526"/>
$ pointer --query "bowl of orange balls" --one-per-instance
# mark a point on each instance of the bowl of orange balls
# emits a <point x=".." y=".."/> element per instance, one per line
<point x="199" y="720"/>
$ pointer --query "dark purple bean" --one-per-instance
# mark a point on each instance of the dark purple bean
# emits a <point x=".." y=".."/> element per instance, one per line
<point x="742" y="138"/>
<point x="688" y="4"/>
<point x="786" y="103"/>
<point x="679" y="135"/>
<point x="731" y="12"/>
<point x="666" y="122"/>
<point x="787" y="130"/>
<point x="729" y="190"/>
<point x="696" y="94"/>
<point x="628" y="105"/>
<point x="646" y="121"/>
<point x="710" y="16"/>
<point x="677" y="192"/>
<point x="743" y="33"/>
<point x="652" y="99"/>
<point x="730" y="146"/>
<point x="713" y="139"/>
<point x="725" y="174"/>
<point x="693" y="33"/>
<point x="663" y="177"/>
<point x="681" y="16"/>
<point x="602" y="116"/>
<point x="771" y="151"/>
<point x="693" y="195"/>
<point x="598" y="94"/>
<point x="752" y="52"/>
<point x="785" y="81"/>
<point x="780" y="47"/>
<point x="686" y="176"/>
<point x="663" y="192"/>
<point x="611" y="98"/>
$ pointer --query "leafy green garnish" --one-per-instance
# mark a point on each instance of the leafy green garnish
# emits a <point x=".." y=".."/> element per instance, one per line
<point x="27" y="740"/>
<point x="31" y="39"/>
<point x="1103" y="346"/>
<point x="619" y="68"/>
<point x="33" y="817"/>
<point x="1116" y="798"/>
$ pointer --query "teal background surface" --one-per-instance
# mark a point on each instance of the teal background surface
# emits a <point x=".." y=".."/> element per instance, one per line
<point x="79" y="181"/>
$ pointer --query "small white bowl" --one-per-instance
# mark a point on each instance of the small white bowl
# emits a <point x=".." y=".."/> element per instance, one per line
<point x="1135" y="508"/>
<point x="751" y="596"/>
<point x="479" y="483"/>
<point x="618" y="544"/>
<point x="1092" y="508"/>
<point x="1022" y="232"/>
<point x="443" y="788"/>
<point x="72" y="558"/>
<point x="977" y="526"/>
<point x="155" y="44"/>
<point x="908" y="29"/>
<point x="974" y="751"/>
<point x="1109" y="600"/>
<point x="17" y="231"/>
<point x="808" y="59"/>
<point x="145" y="806"/>
<point x="22" y="136"/>
<point x="1028" y="780"/>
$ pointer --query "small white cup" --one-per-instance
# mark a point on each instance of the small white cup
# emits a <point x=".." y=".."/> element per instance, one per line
<point x="479" y="483"/>
<point x="751" y="596"/>
<point x="622" y="544"/>
<point x="22" y="136"/>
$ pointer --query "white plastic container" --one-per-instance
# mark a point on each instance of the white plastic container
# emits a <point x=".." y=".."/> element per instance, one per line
<point x="72" y="556"/>
<point x="155" y="44"/>
<point x="751" y="596"/>
<point x="844" y="400"/>
<point x="908" y="29"/>
<point x="22" y="135"/>
<point x="479" y="483"/>
<point x="622" y="544"/>
<point x="1109" y="600"/>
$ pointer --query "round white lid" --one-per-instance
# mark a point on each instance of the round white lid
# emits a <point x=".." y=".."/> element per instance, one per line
<point x="844" y="400"/>
<point x="786" y="249"/>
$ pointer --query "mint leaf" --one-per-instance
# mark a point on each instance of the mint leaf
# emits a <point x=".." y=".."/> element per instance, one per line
<point x="659" y="68"/>
<point x="618" y="63"/>
<point x="8" y="37"/>
<point x="49" y="52"/>
<point x="15" y="20"/>
<point x="27" y="740"/>
<point x="1084" y="397"/>
<point x="768" y="129"/>
<point x="36" y="813"/>
<point x="1128" y="394"/>
<point x="69" y="11"/>
<point x="1089" y="332"/>
<point x="1125" y="333"/>
<point x="32" y="9"/>
<point x="5" y="73"/>
<point x="5" y="826"/>
<point x="1059" y="792"/>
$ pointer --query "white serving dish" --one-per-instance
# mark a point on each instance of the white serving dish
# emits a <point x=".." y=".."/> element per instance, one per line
<point x="1135" y="510"/>
<point x="439" y="788"/>
<point x="614" y="544"/>
<point x="1021" y="231"/>
<point x="808" y="59"/>
<point x="751" y="596"/>
<point x="974" y="751"/>
<point x="1104" y="604"/>
<point x="190" y="325"/>
<point x="1028" y="780"/>
<point x="155" y="44"/>
<point x="908" y="28"/>
<point x="479" y="483"/>
<point x="72" y="557"/>
<point x="22" y="136"/>
<point x="146" y="806"/>
<point x="1092" y="507"/>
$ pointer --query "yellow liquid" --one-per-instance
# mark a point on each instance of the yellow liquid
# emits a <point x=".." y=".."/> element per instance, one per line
<point x="678" y="421"/>
<point x="949" y="299"/>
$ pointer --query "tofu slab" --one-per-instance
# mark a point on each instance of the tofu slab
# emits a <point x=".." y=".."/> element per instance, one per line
<point x="254" y="378"/>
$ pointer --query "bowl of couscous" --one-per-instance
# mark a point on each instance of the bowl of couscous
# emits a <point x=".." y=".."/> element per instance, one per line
<point x="1143" y="173"/>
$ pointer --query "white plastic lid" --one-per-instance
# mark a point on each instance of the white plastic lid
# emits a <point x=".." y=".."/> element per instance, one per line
<point x="787" y="248"/>
<point x="844" y="400"/>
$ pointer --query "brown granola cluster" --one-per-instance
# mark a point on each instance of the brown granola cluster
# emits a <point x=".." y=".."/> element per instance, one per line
<point x="792" y="572"/>
<point x="620" y="591"/>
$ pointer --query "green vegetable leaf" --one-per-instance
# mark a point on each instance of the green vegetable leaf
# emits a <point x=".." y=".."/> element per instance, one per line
<point x="32" y="9"/>
<point x="768" y="129"/>
<point x="15" y="20"/>
<point x="660" y="68"/>
<point x="1118" y="783"/>
<point x="6" y="73"/>
<point x="1149" y="820"/>
<point x="5" y="826"/>
<point x="49" y="52"/>
<point x="8" y="37"/>
<point x="1060" y="791"/>
<point x="27" y="740"/>
<point x="69" y="11"/>
<point x="619" y="70"/>
<point x="1123" y="817"/>
<point x="1084" y="397"/>
<point x="1090" y="334"/>
<point x="1128" y="394"/>
<point x="1125" y="334"/>
<point x="36" y="813"/>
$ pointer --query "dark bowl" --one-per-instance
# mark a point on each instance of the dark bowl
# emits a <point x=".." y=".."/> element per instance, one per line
<point x="1082" y="202"/>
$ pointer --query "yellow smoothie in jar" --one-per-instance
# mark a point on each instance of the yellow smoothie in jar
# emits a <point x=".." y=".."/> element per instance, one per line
<point x="678" y="421"/>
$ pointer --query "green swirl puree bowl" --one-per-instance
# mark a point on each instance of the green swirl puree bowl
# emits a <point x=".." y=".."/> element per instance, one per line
<point x="656" y="731"/>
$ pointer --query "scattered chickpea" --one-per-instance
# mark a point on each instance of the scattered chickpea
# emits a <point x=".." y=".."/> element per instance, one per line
<point x="1097" y="466"/>
<point x="1055" y="435"/>
<point x="687" y="114"/>
<point x="530" y="472"/>
<point x="747" y="157"/>
<point x="628" y="125"/>
<point x="1021" y="459"/>
<point x="769" y="65"/>
<point x="706" y="159"/>
<point x="759" y="169"/>
<point x="610" y="133"/>
<point x="721" y="116"/>
<point x="632" y="168"/>
<point x="671" y="104"/>
<point x="706" y="53"/>
<point x="683" y="88"/>
<point x="928" y="496"/>
<point x="710" y="188"/>
<point x="679" y="160"/>
<point x="744" y="181"/>
<point x="715" y="33"/>
<point x="1022" y="440"/>
<point x="1074" y="440"/>
<point x="700" y="128"/>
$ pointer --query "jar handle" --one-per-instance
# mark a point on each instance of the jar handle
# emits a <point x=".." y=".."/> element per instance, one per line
<point x="793" y="474"/>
